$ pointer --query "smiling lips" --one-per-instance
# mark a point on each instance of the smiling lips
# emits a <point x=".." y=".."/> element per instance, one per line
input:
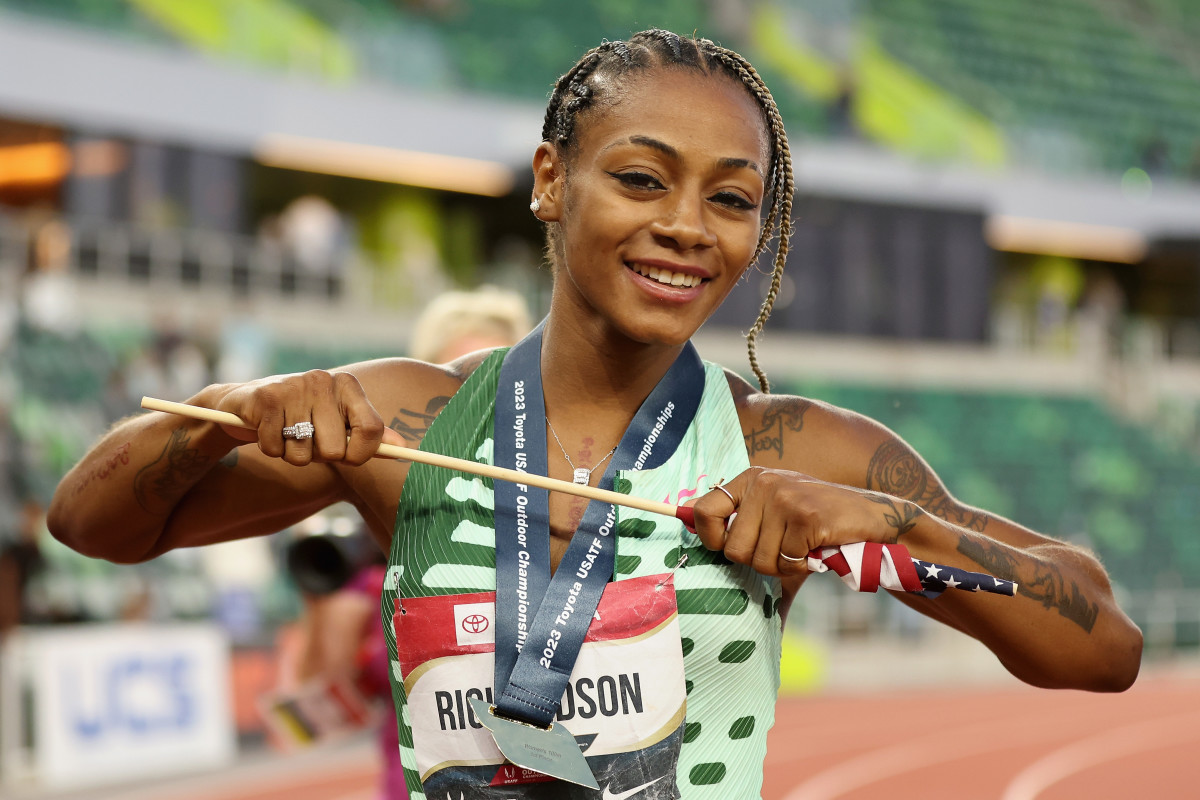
<point x="666" y="276"/>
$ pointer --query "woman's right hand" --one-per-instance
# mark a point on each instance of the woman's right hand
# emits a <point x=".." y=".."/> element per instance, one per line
<point x="346" y="427"/>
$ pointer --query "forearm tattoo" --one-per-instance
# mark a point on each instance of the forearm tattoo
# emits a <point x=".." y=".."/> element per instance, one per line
<point x="900" y="515"/>
<point x="1043" y="582"/>
<point x="896" y="470"/>
<point x="781" y="418"/>
<point x="413" y="425"/>
<point x="159" y="485"/>
<point x="115" y="460"/>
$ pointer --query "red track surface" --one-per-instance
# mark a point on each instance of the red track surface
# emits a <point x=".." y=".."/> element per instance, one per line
<point x="1014" y="743"/>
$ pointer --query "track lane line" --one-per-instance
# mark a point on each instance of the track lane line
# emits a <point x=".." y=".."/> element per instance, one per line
<point x="1111" y="745"/>
<point x="882" y="763"/>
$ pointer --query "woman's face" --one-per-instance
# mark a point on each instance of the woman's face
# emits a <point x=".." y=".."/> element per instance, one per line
<point x="658" y="206"/>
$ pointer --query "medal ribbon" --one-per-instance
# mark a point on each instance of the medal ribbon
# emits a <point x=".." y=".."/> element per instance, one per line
<point x="541" y="621"/>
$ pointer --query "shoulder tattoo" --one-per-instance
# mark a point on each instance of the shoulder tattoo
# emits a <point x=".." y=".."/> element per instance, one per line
<point x="896" y="470"/>
<point x="413" y="424"/>
<point x="783" y="416"/>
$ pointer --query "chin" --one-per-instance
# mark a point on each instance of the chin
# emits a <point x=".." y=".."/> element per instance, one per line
<point x="662" y="330"/>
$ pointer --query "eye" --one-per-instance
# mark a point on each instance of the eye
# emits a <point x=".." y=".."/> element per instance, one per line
<point x="637" y="180"/>
<point x="734" y="200"/>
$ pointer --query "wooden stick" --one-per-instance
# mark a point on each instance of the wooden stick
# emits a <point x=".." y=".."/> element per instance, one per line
<point x="682" y="513"/>
<point x="437" y="460"/>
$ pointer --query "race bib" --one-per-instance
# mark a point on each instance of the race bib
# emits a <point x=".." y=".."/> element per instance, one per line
<point x="625" y="702"/>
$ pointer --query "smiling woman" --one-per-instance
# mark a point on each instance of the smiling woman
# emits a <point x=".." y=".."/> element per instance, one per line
<point x="663" y="174"/>
<point x="724" y="103"/>
<point x="655" y="228"/>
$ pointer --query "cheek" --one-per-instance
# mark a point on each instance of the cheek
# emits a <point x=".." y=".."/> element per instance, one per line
<point x="740" y="247"/>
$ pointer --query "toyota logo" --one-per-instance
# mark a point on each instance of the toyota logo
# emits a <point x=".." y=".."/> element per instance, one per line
<point x="475" y="623"/>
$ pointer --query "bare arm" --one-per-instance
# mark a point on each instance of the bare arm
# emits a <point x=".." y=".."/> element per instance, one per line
<point x="156" y="482"/>
<point x="832" y="477"/>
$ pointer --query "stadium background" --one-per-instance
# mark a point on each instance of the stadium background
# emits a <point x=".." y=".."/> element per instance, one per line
<point x="997" y="254"/>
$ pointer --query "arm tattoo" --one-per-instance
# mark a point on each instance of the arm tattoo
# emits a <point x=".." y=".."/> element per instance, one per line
<point x="420" y="420"/>
<point x="1046" y="584"/>
<point x="896" y="470"/>
<point x="901" y="516"/>
<point x="159" y="484"/>
<point x="118" y="458"/>
<point x="783" y="416"/>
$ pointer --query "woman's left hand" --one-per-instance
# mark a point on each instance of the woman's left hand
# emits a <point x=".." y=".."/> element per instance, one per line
<point x="771" y="518"/>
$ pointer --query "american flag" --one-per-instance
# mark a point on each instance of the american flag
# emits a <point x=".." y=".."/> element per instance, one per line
<point x="866" y="566"/>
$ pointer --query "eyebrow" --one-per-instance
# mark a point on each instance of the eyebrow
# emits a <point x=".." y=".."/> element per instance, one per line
<point x="668" y="150"/>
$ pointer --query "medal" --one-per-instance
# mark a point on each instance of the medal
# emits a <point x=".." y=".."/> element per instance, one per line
<point x="550" y="751"/>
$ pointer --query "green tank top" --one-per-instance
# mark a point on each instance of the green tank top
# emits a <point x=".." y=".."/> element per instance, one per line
<point x="729" y="620"/>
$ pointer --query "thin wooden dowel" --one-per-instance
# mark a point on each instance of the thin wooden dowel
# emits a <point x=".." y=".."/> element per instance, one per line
<point x="438" y="460"/>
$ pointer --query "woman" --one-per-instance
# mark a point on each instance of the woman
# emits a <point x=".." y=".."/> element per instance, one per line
<point x="658" y="157"/>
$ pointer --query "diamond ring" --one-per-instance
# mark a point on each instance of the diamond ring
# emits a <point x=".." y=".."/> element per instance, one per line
<point x="301" y="430"/>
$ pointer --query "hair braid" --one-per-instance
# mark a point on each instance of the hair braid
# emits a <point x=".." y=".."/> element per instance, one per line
<point x="573" y="93"/>
<point x="782" y="189"/>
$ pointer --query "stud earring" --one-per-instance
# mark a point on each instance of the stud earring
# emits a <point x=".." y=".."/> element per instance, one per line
<point x="535" y="206"/>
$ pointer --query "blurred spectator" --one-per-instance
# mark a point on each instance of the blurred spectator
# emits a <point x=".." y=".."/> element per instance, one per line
<point x="841" y="110"/>
<point x="171" y="364"/>
<point x="1156" y="155"/>
<point x="48" y="295"/>
<point x="314" y="237"/>
<point x="457" y="323"/>
<point x="1102" y="308"/>
<point x="20" y="560"/>
<point x="1058" y="284"/>
<point x="245" y="347"/>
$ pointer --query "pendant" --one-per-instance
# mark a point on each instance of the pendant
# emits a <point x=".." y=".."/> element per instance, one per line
<point x="583" y="477"/>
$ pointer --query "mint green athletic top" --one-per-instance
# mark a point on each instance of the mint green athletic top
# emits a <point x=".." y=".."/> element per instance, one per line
<point x="728" y="614"/>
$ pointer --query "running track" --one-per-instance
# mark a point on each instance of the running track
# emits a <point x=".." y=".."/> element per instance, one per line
<point x="1013" y="743"/>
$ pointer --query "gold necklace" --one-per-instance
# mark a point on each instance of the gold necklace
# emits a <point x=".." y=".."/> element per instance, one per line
<point x="582" y="476"/>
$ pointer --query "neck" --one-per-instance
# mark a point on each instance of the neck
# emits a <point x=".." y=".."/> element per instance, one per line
<point x="598" y="372"/>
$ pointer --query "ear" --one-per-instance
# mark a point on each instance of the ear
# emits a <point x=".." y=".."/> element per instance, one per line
<point x="548" y="181"/>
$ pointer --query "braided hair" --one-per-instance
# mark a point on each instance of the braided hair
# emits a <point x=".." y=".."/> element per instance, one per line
<point x="576" y="92"/>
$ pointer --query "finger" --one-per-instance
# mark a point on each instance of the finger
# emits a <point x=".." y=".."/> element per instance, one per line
<point x="329" y="438"/>
<point x="770" y="538"/>
<point x="741" y="539"/>
<point x="297" y="451"/>
<point x="366" y="429"/>
<point x="391" y="437"/>
<point x="712" y="513"/>
<point x="793" y="551"/>
<point x="270" y="431"/>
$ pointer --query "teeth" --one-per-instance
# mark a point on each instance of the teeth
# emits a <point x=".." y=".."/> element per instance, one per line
<point x="667" y="277"/>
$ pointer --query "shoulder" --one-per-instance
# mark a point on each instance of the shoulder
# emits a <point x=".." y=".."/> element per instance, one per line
<point x="841" y="446"/>
<point x="798" y="433"/>
<point x="409" y="394"/>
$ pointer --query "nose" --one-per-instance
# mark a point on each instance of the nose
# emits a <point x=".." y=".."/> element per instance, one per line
<point x="681" y="223"/>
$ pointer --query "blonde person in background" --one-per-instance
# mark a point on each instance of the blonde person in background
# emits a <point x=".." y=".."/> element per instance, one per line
<point x="457" y="323"/>
<point x="341" y="636"/>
